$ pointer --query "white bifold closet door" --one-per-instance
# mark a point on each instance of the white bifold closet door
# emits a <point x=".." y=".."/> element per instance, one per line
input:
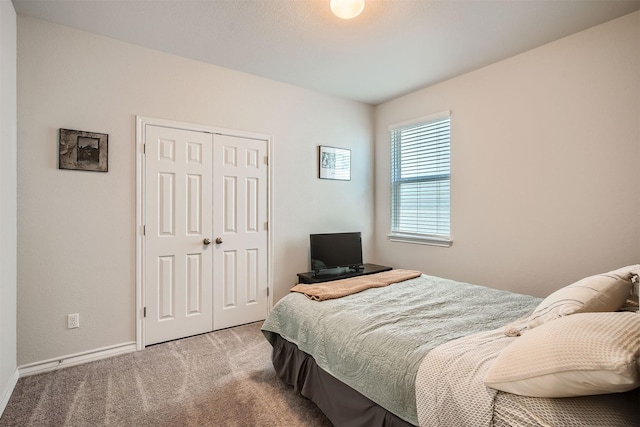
<point x="205" y="232"/>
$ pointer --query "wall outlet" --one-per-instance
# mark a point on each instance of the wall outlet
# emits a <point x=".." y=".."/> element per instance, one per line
<point x="73" y="321"/>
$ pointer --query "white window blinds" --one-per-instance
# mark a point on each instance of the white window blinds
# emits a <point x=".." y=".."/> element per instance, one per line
<point x="421" y="179"/>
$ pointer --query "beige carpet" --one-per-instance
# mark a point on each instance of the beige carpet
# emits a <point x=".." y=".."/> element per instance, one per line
<point x="223" y="378"/>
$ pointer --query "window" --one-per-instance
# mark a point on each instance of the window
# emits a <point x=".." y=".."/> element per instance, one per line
<point x="421" y="180"/>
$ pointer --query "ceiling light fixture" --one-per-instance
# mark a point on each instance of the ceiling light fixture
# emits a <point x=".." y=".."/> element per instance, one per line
<point x="347" y="9"/>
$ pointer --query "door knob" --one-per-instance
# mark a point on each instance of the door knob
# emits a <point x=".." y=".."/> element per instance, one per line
<point x="207" y="241"/>
<point x="218" y="240"/>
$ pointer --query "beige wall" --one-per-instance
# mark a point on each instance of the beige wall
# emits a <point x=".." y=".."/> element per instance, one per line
<point x="545" y="155"/>
<point x="545" y="183"/>
<point x="8" y="202"/>
<point x="76" y="242"/>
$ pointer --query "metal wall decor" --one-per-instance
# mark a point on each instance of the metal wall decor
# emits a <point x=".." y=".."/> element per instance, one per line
<point x="86" y="151"/>
<point x="334" y="163"/>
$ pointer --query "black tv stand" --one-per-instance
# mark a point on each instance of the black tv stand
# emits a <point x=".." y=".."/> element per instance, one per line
<point x="313" y="277"/>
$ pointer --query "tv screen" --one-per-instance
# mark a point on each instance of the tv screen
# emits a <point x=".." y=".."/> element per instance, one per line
<point x="333" y="250"/>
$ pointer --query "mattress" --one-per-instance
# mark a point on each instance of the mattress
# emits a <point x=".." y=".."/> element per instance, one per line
<point x="374" y="341"/>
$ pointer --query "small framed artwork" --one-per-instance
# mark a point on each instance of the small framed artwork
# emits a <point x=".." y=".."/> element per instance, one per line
<point x="85" y="151"/>
<point x="334" y="163"/>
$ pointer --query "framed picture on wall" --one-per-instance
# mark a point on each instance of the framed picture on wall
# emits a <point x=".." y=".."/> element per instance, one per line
<point x="80" y="150"/>
<point x="334" y="163"/>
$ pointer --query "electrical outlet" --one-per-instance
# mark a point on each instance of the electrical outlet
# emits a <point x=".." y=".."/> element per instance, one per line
<point x="73" y="321"/>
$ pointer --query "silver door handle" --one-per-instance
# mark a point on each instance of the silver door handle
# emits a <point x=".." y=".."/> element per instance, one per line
<point x="207" y="241"/>
<point x="218" y="240"/>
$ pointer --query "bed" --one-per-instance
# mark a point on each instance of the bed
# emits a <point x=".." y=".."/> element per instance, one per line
<point x="419" y="351"/>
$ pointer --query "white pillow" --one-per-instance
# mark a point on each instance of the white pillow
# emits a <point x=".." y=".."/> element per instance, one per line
<point x="578" y="355"/>
<point x="602" y="292"/>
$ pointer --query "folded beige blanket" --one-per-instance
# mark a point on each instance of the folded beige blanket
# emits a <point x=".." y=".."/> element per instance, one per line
<point x="352" y="285"/>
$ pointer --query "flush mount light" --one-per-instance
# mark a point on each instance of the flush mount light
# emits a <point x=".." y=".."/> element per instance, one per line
<point x="347" y="9"/>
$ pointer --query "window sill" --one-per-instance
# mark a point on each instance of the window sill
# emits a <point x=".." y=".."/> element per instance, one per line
<point x="421" y="240"/>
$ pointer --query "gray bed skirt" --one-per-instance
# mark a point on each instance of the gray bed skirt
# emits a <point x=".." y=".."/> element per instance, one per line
<point x="344" y="406"/>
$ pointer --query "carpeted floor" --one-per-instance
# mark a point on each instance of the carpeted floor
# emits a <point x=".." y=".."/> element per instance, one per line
<point x="223" y="378"/>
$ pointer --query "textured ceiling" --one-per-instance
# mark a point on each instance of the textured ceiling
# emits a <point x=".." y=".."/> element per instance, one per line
<point x="394" y="47"/>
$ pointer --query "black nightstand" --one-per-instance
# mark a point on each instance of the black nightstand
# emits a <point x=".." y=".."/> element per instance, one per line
<point x="310" y="277"/>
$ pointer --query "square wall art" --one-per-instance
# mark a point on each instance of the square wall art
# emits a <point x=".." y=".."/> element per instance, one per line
<point x="334" y="163"/>
<point x="80" y="150"/>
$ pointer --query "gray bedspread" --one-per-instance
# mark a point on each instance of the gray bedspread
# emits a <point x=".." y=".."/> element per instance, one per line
<point x="374" y="341"/>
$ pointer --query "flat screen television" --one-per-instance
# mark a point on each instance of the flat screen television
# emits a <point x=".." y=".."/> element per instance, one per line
<point x="334" y="250"/>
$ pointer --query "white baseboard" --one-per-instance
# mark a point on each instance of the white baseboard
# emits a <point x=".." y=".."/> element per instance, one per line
<point x="8" y="391"/>
<point x="75" y="359"/>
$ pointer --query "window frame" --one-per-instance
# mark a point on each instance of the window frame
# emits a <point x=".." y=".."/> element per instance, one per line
<point x="443" y="240"/>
